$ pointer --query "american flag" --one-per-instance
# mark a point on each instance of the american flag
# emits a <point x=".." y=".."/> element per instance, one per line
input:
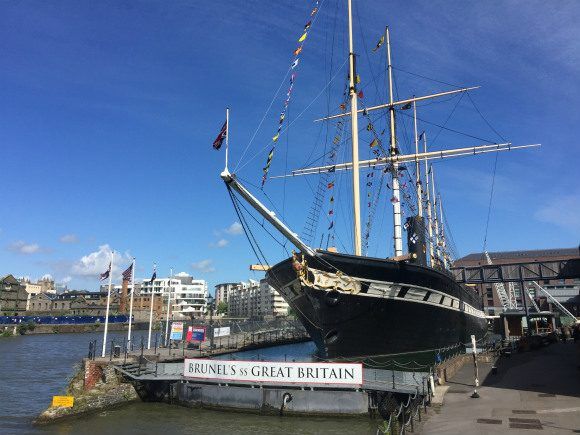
<point x="217" y="143"/>
<point x="106" y="273"/>
<point x="128" y="274"/>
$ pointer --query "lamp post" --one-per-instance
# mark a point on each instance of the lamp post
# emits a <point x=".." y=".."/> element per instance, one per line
<point x="210" y="305"/>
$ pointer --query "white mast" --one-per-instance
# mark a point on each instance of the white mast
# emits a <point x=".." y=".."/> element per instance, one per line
<point x="168" y="307"/>
<point x="151" y="308"/>
<point x="354" y="136"/>
<point x="227" y="134"/>
<point x="131" y="304"/>
<point x="429" y="219"/>
<point x="443" y="244"/>
<point x="108" y="305"/>
<point x="397" y="233"/>
<point x="417" y="167"/>
<point x="435" y="221"/>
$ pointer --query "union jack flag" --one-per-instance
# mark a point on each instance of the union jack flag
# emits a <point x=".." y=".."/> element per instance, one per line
<point x="106" y="273"/>
<point x="217" y="143"/>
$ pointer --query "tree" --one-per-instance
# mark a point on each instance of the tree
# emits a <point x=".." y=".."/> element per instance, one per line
<point x="222" y="308"/>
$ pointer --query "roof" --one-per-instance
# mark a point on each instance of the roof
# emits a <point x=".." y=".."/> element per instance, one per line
<point x="537" y="253"/>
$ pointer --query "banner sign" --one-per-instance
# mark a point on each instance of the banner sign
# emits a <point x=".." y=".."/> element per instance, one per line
<point x="269" y="371"/>
<point x="195" y="334"/>
<point x="221" y="332"/>
<point x="176" y="331"/>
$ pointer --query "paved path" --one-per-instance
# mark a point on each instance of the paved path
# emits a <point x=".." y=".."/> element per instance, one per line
<point x="533" y="392"/>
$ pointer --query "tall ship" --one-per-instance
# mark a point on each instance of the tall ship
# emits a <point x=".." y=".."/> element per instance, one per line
<point x="358" y="307"/>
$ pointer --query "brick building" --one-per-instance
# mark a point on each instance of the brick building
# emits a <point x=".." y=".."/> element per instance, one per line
<point x="567" y="292"/>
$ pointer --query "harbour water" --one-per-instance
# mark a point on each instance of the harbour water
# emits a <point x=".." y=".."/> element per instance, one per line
<point x="36" y="367"/>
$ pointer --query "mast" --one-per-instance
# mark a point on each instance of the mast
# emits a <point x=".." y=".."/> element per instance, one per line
<point x="227" y="134"/>
<point x="435" y="221"/>
<point x="397" y="234"/>
<point x="429" y="219"/>
<point x="443" y="244"/>
<point x="417" y="167"/>
<point x="354" y="130"/>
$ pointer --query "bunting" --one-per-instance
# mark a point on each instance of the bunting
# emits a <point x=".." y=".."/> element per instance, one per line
<point x="332" y="159"/>
<point x="293" y="66"/>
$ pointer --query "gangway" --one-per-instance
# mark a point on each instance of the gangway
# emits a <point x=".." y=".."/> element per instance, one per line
<point x="508" y="301"/>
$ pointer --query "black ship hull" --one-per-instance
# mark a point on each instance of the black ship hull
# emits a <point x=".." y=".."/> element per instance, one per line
<point x="367" y="309"/>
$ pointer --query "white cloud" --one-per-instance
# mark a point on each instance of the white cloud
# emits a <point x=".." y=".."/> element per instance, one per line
<point x="22" y="247"/>
<point x="69" y="238"/>
<point x="221" y="243"/>
<point x="235" y="229"/>
<point x="66" y="280"/>
<point x="47" y="277"/>
<point x="563" y="211"/>
<point x="183" y="274"/>
<point x="97" y="262"/>
<point x="205" y="266"/>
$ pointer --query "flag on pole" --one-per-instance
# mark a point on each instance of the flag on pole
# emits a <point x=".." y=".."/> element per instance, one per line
<point x="128" y="273"/>
<point x="381" y="42"/>
<point x="106" y="273"/>
<point x="153" y="276"/>
<point x="217" y="143"/>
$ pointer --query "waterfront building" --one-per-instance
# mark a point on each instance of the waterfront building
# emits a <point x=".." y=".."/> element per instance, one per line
<point x="223" y="290"/>
<point x="39" y="303"/>
<point x="13" y="296"/>
<point x="255" y="300"/>
<point x="44" y="285"/>
<point x="188" y="295"/>
<point x="567" y="292"/>
<point x="73" y="302"/>
<point x="32" y="289"/>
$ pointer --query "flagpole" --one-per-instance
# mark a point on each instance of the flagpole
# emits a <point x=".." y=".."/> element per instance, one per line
<point x="108" y="304"/>
<point x="227" y="134"/>
<point x="151" y="309"/>
<point x="131" y="305"/>
<point x="169" y="299"/>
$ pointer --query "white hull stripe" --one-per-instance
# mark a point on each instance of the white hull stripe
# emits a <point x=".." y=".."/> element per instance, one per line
<point x="403" y="293"/>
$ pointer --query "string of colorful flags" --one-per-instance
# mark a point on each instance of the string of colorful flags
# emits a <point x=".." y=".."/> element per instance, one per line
<point x="332" y="160"/>
<point x="293" y="66"/>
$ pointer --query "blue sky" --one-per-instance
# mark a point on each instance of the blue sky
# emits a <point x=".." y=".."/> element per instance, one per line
<point x="109" y="110"/>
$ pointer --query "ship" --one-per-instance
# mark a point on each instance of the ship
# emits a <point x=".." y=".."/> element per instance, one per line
<point x="357" y="307"/>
